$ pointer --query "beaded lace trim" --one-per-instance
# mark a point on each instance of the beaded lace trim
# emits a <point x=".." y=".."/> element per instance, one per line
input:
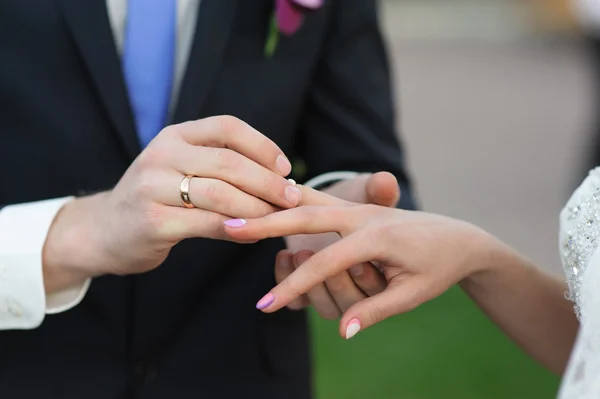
<point x="580" y="242"/>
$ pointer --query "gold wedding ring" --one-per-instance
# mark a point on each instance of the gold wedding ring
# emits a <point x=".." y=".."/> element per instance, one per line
<point x="184" y="191"/>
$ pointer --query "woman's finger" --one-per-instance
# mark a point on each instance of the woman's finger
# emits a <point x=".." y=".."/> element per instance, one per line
<point x="283" y="268"/>
<point x="301" y="220"/>
<point x="396" y="299"/>
<point x="314" y="197"/>
<point x="318" y="296"/>
<point x="332" y="260"/>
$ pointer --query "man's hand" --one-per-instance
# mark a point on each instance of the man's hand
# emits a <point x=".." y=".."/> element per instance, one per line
<point x="132" y="228"/>
<point x="338" y="293"/>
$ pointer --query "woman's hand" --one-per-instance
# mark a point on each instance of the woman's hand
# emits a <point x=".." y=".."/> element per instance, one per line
<point x="421" y="254"/>
<point x="334" y="296"/>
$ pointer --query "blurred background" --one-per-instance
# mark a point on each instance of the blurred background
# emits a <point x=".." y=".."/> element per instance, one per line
<point x="496" y="105"/>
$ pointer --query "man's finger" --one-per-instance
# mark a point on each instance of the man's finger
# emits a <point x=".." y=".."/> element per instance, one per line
<point x="396" y="299"/>
<point x="382" y="189"/>
<point x="327" y="263"/>
<point x="217" y="196"/>
<point x="368" y="278"/>
<point x="230" y="132"/>
<point x="343" y="290"/>
<point x="239" y="171"/>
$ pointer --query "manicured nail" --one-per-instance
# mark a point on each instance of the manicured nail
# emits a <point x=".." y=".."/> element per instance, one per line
<point x="353" y="328"/>
<point x="283" y="165"/>
<point x="357" y="270"/>
<point x="235" y="223"/>
<point x="266" y="301"/>
<point x="293" y="195"/>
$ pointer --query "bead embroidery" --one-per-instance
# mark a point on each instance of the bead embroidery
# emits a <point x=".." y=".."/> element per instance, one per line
<point x="580" y="243"/>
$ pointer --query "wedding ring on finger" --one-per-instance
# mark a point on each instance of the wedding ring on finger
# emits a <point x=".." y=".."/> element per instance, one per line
<point x="184" y="191"/>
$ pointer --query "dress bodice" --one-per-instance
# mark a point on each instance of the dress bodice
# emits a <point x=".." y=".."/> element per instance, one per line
<point x="579" y="242"/>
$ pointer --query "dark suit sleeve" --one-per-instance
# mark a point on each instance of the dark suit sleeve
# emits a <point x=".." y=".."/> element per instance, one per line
<point x="349" y="122"/>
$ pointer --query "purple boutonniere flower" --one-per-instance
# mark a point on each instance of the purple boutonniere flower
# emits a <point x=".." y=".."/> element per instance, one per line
<point x="287" y="19"/>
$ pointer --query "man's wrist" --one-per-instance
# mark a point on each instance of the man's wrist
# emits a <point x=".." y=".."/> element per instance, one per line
<point x="68" y="256"/>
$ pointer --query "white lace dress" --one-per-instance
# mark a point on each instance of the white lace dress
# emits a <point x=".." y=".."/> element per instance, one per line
<point x="579" y="241"/>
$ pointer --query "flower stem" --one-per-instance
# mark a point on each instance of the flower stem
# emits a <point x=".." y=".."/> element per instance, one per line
<point x="272" y="37"/>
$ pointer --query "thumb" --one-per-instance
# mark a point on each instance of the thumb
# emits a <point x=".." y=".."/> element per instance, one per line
<point x="395" y="299"/>
<point x="382" y="189"/>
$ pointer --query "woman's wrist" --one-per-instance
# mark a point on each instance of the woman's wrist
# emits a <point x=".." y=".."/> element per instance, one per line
<point x="495" y="263"/>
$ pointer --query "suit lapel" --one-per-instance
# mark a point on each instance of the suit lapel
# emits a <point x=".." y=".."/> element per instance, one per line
<point x="90" y="27"/>
<point x="212" y="31"/>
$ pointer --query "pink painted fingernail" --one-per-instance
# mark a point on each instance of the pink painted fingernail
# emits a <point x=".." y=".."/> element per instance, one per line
<point x="293" y="195"/>
<point x="235" y="223"/>
<point x="284" y="167"/>
<point x="353" y="328"/>
<point x="266" y="301"/>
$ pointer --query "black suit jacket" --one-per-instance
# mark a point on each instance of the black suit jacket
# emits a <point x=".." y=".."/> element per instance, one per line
<point x="188" y="329"/>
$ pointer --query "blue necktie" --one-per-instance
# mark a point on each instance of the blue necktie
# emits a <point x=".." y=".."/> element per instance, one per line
<point x="148" y="56"/>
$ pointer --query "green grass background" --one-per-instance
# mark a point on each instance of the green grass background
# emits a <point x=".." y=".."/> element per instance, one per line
<point x="445" y="349"/>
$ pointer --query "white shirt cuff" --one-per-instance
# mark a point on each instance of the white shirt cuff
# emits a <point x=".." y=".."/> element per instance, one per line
<point x="67" y="299"/>
<point x="23" y="231"/>
<point x="330" y="177"/>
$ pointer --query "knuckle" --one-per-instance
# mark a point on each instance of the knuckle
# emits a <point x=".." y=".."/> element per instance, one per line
<point x="226" y="159"/>
<point x="378" y="237"/>
<point x="372" y="238"/>
<point x="145" y="187"/>
<point x="259" y="209"/>
<point x="169" y="133"/>
<point x="211" y="192"/>
<point x="229" y="123"/>
<point x="270" y="182"/>
<point x="310" y="216"/>
<point x="338" y="284"/>
<point x="384" y="231"/>
<point x="151" y="156"/>
<point x="371" y="283"/>
<point x="375" y="313"/>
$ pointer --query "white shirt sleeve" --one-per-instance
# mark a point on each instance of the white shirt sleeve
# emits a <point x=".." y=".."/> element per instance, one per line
<point x="23" y="231"/>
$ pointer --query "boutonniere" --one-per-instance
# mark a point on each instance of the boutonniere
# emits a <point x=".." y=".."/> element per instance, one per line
<point x="287" y="19"/>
